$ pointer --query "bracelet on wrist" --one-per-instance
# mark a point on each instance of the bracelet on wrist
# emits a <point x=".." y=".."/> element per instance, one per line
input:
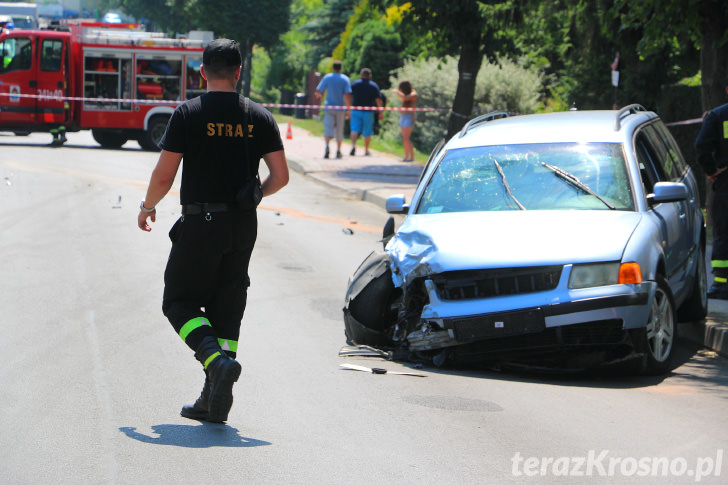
<point x="144" y="209"/>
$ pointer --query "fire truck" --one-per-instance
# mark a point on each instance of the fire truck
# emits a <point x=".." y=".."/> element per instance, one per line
<point x="117" y="80"/>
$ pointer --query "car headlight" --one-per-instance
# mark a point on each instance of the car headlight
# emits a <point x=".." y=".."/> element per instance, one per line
<point x="591" y="275"/>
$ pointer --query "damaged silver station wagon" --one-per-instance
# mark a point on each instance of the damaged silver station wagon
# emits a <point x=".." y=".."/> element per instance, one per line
<point x="568" y="239"/>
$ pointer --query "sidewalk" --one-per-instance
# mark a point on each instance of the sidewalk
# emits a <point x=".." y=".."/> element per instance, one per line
<point x="371" y="178"/>
<point x="376" y="177"/>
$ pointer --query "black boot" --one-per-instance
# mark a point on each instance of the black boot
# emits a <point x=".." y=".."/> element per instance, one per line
<point x="222" y="373"/>
<point x="200" y="408"/>
<point x="718" y="291"/>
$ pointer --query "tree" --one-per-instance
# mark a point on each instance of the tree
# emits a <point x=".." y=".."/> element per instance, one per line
<point x="258" y="22"/>
<point x="324" y="30"/>
<point x="702" y="23"/>
<point x="370" y="40"/>
<point x="465" y="28"/>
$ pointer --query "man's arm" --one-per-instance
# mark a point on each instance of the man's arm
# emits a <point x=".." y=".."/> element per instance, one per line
<point x="707" y="143"/>
<point x="278" y="172"/>
<point x="161" y="181"/>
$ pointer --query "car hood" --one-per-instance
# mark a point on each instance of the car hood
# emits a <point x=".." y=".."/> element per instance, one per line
<point x="433" y="243"/>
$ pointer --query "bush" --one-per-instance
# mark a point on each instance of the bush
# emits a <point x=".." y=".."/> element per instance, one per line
<point x="505" y="85"/>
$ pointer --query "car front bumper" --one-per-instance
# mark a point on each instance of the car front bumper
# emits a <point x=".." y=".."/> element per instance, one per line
<point x="453" y="323"/>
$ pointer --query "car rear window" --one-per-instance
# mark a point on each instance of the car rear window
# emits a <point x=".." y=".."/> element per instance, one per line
<point x="553" y="176"/>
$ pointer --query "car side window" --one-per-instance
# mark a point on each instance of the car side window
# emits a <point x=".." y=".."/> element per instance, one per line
<point x="650" y="170"/>
<point x="680" y="166"/>
<point x="666" y="152"/>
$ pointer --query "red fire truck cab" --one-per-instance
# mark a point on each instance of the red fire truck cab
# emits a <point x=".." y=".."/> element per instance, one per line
<point x="117" y="80"/>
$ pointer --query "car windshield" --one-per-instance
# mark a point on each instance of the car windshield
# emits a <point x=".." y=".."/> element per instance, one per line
<point x="553" y="176"/>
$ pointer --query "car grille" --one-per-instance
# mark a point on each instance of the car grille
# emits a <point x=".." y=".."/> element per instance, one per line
<point x="584" y="336"/>
<point x="472" y="284"/>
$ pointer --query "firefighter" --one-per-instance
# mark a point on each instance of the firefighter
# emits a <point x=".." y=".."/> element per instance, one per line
<point x="221" y="138"/>
<point x="59" y="135"/>
<point x="712" y="147"/>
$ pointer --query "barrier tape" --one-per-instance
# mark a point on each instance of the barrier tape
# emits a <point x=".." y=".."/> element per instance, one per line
<point x="694" y="121"/>
<point x="170" y="102"/>
<point x="271" y="105"/>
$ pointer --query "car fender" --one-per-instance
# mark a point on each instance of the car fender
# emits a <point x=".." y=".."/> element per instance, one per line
<point x="646" y="249"/>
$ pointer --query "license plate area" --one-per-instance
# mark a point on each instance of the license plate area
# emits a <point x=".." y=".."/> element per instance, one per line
<point x="496" y="325"/>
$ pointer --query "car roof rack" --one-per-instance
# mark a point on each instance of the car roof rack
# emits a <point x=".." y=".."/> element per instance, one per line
<point x="627" y="110"/>
<point x="493" y="115"/>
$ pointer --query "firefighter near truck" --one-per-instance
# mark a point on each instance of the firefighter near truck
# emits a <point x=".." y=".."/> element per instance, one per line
<point x="117" y="80"/>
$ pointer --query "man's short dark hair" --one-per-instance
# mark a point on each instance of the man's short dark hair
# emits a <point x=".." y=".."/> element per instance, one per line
<point x="337" y="66"/>
<point x="221" y="58"/>
<point x="366" y="73"/>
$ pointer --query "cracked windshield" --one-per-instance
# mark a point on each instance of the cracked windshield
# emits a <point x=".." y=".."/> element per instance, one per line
<point x="561" y="176"/>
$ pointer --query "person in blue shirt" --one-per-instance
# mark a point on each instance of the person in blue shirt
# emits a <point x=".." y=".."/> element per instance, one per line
<point x="338" y="93"/>
<point x="364" y="92"/>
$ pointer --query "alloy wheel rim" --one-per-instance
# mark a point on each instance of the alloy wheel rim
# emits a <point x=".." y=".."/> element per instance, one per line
<point x="660" y="327"/>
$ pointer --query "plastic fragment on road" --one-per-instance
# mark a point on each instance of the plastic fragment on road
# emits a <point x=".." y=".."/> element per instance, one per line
<point x="377" y="370"/>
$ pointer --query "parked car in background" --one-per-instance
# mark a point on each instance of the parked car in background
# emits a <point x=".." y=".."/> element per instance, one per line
<point x="569" y="239"/>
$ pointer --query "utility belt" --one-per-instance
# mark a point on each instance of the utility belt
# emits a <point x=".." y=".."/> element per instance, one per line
<point x="207" y="207"/>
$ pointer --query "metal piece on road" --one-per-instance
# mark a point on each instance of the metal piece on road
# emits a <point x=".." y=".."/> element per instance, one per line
<point x="364" y="351"/>
<point x="378" y="370"/>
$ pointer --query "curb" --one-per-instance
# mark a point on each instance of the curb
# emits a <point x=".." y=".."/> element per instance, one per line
<point x="711" y="333"/>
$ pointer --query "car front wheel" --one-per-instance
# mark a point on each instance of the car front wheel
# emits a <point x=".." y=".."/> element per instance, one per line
<point x="657" y="340"/>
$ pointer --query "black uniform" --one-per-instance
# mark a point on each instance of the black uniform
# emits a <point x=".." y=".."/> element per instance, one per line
<point x="206" y="278"/>
<point x="712" y="146"/>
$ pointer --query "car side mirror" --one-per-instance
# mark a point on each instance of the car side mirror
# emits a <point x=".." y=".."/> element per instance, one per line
<point x="396" y="204"/>
<point x="387" y="231"/>
<point x="668" y="192"/>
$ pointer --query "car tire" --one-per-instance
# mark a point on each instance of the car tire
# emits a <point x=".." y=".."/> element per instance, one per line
<point x="150" y="138"/>
<point x="109" y="138"/>
<point x="695" y="308"/>
<point x="659" y="337"/>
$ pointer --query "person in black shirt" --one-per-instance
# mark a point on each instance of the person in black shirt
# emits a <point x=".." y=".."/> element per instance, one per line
<point x="364" y="92"/>
<point x="712" y="146"/>
<point x="221" y="137"/>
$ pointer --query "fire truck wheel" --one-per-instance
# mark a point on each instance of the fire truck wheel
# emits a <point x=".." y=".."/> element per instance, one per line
<point x="149" y="139"/>
<point x="109" y="138"/>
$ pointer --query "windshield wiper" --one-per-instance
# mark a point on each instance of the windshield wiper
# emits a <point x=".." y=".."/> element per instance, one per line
<point x="574" y="180"/>
<point x="507" y="187"/>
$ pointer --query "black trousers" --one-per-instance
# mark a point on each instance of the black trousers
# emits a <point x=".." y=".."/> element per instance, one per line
<point x="719" y="216"/>
<point x="206" y="279"/>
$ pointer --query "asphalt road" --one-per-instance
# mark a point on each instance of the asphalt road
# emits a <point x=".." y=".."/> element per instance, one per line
<point x="92" y="376"/>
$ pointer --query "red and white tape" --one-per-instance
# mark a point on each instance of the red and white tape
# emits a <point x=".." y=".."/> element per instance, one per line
<point x="171" y="102"/>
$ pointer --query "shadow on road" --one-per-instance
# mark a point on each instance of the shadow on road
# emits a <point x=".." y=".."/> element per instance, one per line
<point x="204" y="435"/>
<point x="691" y="364"/>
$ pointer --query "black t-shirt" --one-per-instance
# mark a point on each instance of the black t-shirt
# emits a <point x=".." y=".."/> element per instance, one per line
<point x="365" y="93"/>
<point x="208" y="131"/>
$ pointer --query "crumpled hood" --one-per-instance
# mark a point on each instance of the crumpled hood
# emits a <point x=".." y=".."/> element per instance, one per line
<point x="433" y="243"/>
